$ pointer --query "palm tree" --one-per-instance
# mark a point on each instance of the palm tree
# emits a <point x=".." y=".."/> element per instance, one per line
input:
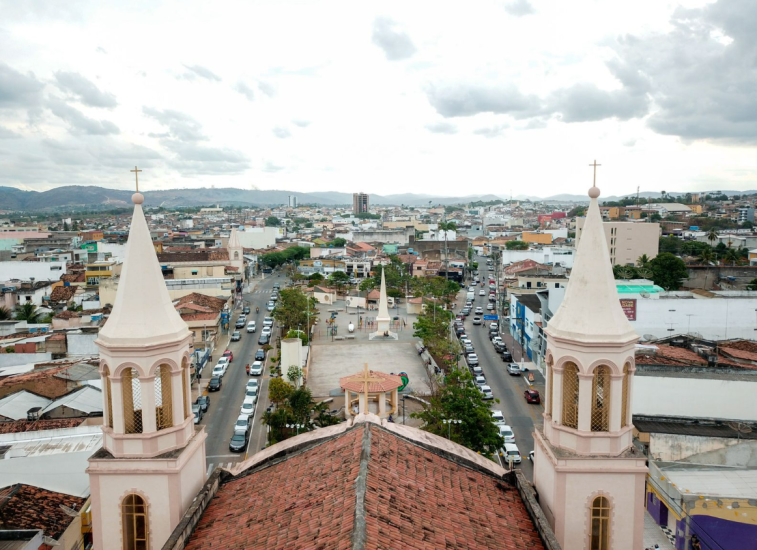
<point x="28" y="312"/>
<point x="712" y="236"/>
<point x="446" y="226"/>
<point x="706" y="256"/>
<point x="643" y="261"/>
<point x="5" y="314"/>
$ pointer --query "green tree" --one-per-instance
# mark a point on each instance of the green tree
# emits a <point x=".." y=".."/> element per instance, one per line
<point x="712" y="236"/>
<point x="28" y="312"/>
<point x="279" y="390"/>
<point x="338" y="242"/>
<point x="294" y="373"/>
<point x="272" y="221"/>
<point x="315" y="278"/>
<point x="668" y="271"/>
<point x="339" y="279"/>
<point x="516" y="245"/>
<point x="458" y="398"/>
<point x="292" y="309"/>
<point x="752" y="285"/>
<point x="642" y="261"/>
<point x="5" y="314"/>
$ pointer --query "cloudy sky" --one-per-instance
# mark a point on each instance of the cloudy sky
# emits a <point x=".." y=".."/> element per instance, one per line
<point x="437" y="97"/>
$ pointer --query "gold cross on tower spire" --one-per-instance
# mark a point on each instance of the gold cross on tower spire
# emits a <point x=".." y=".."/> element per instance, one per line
<point x="136" y="176"/>
<point x="595" y="171"/>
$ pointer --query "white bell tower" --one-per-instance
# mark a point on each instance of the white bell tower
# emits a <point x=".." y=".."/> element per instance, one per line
<point x="589" y="476"/>
<point x="236" y="252"/>
<point x="152" y="463"/>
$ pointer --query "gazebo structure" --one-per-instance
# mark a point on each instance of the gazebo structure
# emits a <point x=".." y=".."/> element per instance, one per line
<point x="366" y="387"/>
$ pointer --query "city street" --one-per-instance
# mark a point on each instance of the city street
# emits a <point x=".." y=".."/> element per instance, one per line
<point x="520" y="416"/>
<point x="225" y="404"/>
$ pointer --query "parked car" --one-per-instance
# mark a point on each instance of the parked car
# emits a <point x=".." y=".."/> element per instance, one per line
<point x="256" y="369"/>
<point x="204" y="402"/>
<point x="268" y="321"/>
<point x="476" y="369"/>
<point x="477" y="320"/>
<point x="242" y="425"/>
<point x="499" y="347"/>
<point x="197" y="411"/>
<point x="251" y="326"/>
<point x="276" y="286"/>
<point x="252" y="383"/>
<point x="510" y="453"/>
<point x="248" y="407"/>
<point x="493" y="334"/>
<point x="494" y="326"/>
<point x="229" y="355"/>
<point x="498" y="417"/>
<point x="486" y="391"/>
<point x="238" y="443"/>
<point x="260" y="355"/>
<point x="246" y="310"/>
<point x="473" y="361"/>
<point x="264" y="339"/>
<point x="271" y="305"/>
<point x="480" y="380"/>
<point x="513" y="369"/>
<point x="214" y="384"/>
<point x="469" y="349"/>
<point x="490" y="306"/>
<point x="479" y="310"/>
<point x="219" y="370"/>
<point x="241" y="322"/>
<point x="532" y="396"/>
<point x="464" y="340"/>
<point x="481" y="292"/>
<point x="267" y="331"/>
<point x="236" y="336"/>
<point x="251" y="392"/>
<point x="507" y="433"/>
<point x="507" y="356"/>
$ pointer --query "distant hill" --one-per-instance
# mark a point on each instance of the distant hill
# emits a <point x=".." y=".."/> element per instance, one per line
<point x="82" y="197"/>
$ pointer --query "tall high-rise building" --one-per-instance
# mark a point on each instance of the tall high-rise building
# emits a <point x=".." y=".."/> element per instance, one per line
<point x="359" y="203"/>
<point x="589" y="476"/>
<point x="292" y="201"/>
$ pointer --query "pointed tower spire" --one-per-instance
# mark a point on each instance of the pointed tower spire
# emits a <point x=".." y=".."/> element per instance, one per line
<point x="143" y="312"/>
<point x="234" y="239"/>
<point x="383" y="321"/>
<point x="590" y="311"/>
<point x="383" y="312"/>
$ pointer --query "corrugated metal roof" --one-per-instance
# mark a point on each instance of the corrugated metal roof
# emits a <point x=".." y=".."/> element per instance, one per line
<point x="87" y="399"/>
<point x="16" y="405"/>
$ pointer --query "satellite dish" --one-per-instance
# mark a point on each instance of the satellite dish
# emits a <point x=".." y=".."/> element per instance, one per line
<point x="69" y="511"/>
<point x="644" y="294"/>
<point x="740" y="427"/>
<point x="648" y="337"/>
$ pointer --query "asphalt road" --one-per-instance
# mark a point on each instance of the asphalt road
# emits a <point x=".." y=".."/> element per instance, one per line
<point x="509" y="389"/>
<point x="225" y="404"/>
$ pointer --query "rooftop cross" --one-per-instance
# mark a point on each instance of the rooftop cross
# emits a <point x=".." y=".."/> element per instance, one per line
<point x="136" y="176"/>
<point x="595" y="171"/>
<point x="366" y="377"/>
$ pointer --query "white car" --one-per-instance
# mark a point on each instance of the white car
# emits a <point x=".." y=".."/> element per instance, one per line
<point x="242" y="425"/>
<point x="251" y="327"/>
<point x="510" y="453"/>
<point x="465" y="341"/>
<point x="253" y="383"/>
<point x="482" y="292"/>
<point x="507" y="433"/>
<point x="477" y="320"/>
<point x="477" y="370"/>
<point x="489" y="307"/>
<point x="223" y="360"/>
<point x="498" y="418"/>
<point x="248" y="406"/>
<point x="479" y="310"/>
<point x="219" y="370"/>
<point x="268" y="321"/>
<point x="251" y="392"/>
<point x="271" y="305"/>
<point x="266" y="331"/>
<point x="256" y="369"/>
<point x="480" y="380"/>
<point x="487" y="392"/>
<point x="473" y="362"/>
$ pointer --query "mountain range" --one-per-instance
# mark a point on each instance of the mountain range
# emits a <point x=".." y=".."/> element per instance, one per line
<point x="81" y="197"/>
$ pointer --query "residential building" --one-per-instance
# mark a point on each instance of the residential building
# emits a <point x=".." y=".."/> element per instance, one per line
<point x="292" y="201"/>
<point x="746" y="214"/>
<point x="627" y="241"/>
<point x="360" y="203"/>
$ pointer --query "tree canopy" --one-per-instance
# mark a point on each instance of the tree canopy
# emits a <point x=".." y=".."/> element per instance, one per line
<point x="294" y="407"/>
<point x="272" y="221"/>
<point x="668" y="271"/>
<point x="516" y="245"/>
<point x="292" y="309"/>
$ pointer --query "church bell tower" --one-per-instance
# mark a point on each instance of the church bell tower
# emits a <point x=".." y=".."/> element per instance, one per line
<point x="152" y="462"/>
<point x="589" y="476"/>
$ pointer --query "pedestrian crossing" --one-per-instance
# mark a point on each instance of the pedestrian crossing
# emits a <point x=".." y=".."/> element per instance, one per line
<point x="261" y="291"/>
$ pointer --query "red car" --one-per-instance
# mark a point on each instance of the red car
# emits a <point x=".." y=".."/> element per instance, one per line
<point x="532" y="396"/>
<point x="229" y="354"/>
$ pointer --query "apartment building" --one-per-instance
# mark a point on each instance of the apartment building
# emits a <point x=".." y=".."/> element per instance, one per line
<point x="626" y="241"/>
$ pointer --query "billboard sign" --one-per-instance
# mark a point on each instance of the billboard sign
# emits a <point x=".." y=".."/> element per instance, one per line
<point x="629" y="308"/>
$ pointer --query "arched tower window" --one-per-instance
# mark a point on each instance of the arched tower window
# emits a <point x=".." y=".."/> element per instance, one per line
<point x="570" y="395"/>
<point x="134" y="518"/>
<point x="600" y="524"/>
<point x="600" y="399"/>
<point x="236" y="254"/>
<point x="132" y="399"/>
<point x="624" y="401"/>
<point x="108" y="398"/>
<point x="185" y="386"/>
<point x="163" y="398"/>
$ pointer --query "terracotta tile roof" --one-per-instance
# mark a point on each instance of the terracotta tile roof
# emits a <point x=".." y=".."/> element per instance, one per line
<point x="373" y="295"/>
<point x="196" y="255"/>
<point x="67" y="314"/>
<point x="414" y="495"/>
<point x="739" y="353"/>
<point x="379" y="382"/>
<point x="210" y="302"/>
<point x="73" y="277"/>
<point x="29" y="507"/>
<point x="743" y="345"/>
<point x="199" y="316"/>
<point x="18" y="426"/>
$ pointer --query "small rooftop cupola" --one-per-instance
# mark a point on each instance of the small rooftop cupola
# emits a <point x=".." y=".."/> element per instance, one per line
<point x="236" y="252"/>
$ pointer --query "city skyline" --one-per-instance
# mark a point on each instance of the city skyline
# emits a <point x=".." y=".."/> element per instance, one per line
<point x="504" y="97"/>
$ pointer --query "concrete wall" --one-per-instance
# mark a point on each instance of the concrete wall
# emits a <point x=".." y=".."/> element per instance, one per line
<point x="655" y="394"/>
<point x="14" y="359"/>
<point x="703" y="450"/>
<point x="548" y="255"/>
<point x="258" y="237"/>
<point x="41" y="271"/>
<point x="626" y="241"/>
<point x="82" y="343"/>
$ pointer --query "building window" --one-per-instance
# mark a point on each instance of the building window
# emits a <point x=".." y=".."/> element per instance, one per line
<point x="600" y="524"/>
<point x="131" y="389"/>
<point x="600" y="399"/>
<point x="134" y="516"/>
<point x="570" y="395"/>
<point x="163" y="398"/>
<point x="194" y="272"/>
<point x="624" y="400"/>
